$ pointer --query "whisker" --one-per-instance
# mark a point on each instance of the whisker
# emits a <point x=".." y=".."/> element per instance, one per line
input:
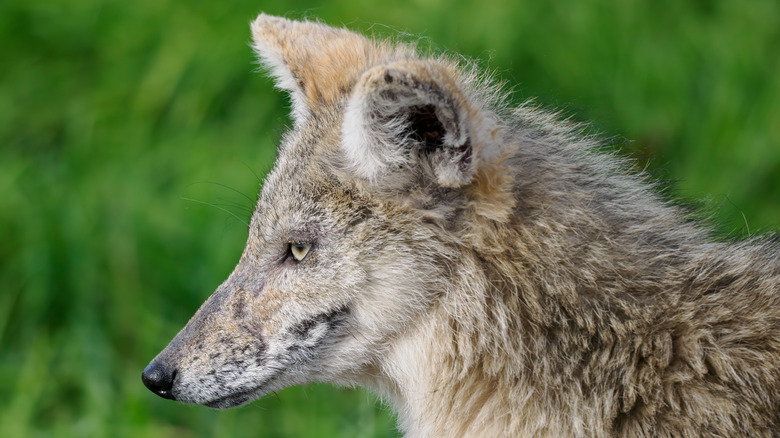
<point x="260" y="180"/>
<point x="218" y="207"/>
<point x="228" y="203"/>
<point x="252" y="201"/>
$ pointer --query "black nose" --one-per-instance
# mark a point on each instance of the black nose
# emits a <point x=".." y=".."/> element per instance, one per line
<point x="159" y="379"/>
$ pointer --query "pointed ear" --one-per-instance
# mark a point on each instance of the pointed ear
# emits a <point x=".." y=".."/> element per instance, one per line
<point x="316" y="63"/>
<point x="408" y="120"/>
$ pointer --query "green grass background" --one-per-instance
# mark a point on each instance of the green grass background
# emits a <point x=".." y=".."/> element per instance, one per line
<point x="119" y="120"/>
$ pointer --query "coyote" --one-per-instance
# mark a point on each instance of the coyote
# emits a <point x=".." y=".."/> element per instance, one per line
<point x="483" y="268"/>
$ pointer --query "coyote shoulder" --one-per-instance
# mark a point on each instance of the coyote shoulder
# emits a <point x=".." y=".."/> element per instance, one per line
<point x="484" y="268"/>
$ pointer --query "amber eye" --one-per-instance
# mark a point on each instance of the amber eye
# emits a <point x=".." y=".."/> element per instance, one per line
<point x="299" y="250"/>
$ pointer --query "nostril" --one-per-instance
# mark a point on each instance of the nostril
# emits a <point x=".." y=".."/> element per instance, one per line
<point x="159" y="379"/>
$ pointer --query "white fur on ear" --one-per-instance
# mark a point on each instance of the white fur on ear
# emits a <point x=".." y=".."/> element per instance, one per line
<point x="267" y="41"/>
<point x="369" y="136"/>
<point x="317" y="64"/>
<point x="408" y="113"/>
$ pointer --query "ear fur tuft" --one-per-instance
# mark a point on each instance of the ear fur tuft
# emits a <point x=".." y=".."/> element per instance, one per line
<point x="316" y="63"/>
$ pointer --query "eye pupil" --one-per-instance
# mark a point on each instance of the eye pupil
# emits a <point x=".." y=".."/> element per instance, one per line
<point x="299" y="250"/>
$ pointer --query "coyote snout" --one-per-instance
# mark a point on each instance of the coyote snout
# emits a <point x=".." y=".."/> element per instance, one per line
<point x="237" y="348"/>
<point x="488" y="271"/>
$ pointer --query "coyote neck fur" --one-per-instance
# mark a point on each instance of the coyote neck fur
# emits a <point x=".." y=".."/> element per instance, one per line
<point x="590" y="293"/>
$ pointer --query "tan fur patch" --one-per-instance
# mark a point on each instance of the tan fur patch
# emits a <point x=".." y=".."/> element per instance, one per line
<point x="324" y="61"/>
<point x="491" y="191"/>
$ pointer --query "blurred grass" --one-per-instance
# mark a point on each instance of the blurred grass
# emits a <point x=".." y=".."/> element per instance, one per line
<point x="118" y="119"/>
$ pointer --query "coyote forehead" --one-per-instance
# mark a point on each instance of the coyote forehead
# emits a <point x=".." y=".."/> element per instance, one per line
<point x="482" y="268"/>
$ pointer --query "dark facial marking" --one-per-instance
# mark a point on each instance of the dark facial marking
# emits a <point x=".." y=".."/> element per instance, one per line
<point x="333" y="320"/>
<point x="301" y="331"/>
<point x="261" y="346"/>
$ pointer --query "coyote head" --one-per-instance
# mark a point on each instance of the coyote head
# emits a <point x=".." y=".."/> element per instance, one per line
<point x="357" y="231"/>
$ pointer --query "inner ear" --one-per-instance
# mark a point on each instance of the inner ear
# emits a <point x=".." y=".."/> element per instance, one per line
<point x="425" y="128"/>
<point x="428" y="131"/>
<point x="405" y="124"/>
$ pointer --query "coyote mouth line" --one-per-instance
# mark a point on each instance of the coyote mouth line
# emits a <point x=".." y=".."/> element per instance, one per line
<point x="233" y="400"/>
<point x="240" y="397"/>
